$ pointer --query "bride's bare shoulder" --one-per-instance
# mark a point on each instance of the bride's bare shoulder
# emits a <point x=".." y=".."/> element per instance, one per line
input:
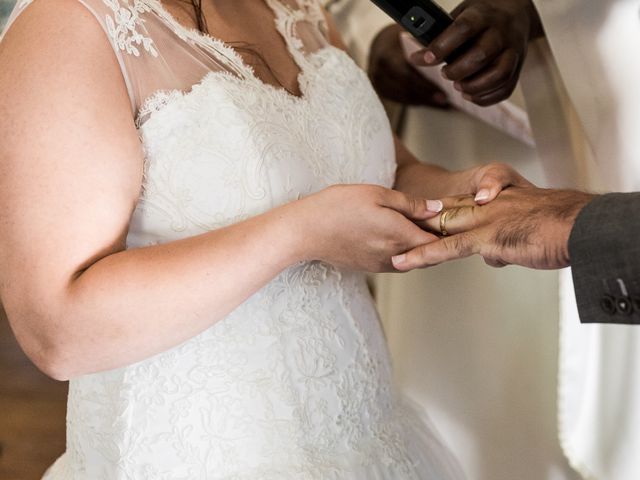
<point x="52" y="16"/>
<point x="65" y="107"/>
<point x="53" y="39"/>
<point x="53" y="52"/>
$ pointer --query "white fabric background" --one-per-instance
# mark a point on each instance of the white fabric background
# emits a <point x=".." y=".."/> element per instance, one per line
<point x="595" y="45"/>
<point x="476" y="347"/>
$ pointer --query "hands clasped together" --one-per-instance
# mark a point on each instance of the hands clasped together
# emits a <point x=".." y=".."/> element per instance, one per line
<point x="524" y="225"/>
<point x="499" y="215"/>
<point x="484" y="49"/>
<point x="503" y="218"/>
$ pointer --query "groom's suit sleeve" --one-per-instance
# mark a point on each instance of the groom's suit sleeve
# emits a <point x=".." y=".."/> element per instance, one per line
<point x="605" y="259"/>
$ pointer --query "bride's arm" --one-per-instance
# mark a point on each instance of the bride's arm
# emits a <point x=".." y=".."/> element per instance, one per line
<point x="430" y="180"/>
<point x="484" y="182"/>
<point x="70" y="176"/>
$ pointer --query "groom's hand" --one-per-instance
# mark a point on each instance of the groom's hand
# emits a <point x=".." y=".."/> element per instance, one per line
<point x="489" y="39"/>
<point x="524" y="226"/>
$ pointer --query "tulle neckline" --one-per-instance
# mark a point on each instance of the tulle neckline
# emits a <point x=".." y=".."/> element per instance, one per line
<point x="225" y="52"/>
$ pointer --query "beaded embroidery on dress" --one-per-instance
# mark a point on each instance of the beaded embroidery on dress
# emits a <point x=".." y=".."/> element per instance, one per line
<point x="296" y="383"/>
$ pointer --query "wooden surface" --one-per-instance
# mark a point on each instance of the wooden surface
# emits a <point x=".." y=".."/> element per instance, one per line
<point x="32" y="413"/>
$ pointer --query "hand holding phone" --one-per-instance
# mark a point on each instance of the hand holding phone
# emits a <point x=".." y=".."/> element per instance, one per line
<point x="484" y="43"/>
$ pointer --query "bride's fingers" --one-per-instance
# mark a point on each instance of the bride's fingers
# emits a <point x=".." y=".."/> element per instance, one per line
<point x="433" y="223"/>
<point x="490" y="186"/>
<point x="444" y="250"/>
<point x="494" y="178"/>
<point x="453" y="220"/>
<point x="460" y="201"/>
<point x="414" y="208"/>
<point x="449" y="203"/>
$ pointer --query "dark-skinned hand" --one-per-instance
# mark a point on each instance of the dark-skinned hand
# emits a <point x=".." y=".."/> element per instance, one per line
<point x="490" y="40"/>
<point x="394" y="78"/>
<point x="526" y="226"/>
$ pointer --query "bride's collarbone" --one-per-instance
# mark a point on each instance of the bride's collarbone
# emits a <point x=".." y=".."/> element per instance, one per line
<point x="249" y="27"/>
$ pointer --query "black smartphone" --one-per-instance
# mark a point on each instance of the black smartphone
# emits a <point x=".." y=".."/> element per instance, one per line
<point x="424" y="19"/>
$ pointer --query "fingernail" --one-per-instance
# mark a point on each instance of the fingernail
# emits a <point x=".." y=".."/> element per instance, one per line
<point x="435" y="206"/>
<point x="466" y="96"/>
<point x="457" y="86"/>
<point x="398" y="259"/>
<point x="444" y="74"/>
<point x="429" y="57"/>
<point x="482" y="195"/>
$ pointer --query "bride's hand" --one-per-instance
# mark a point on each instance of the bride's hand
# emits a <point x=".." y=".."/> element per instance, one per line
<point x="361" y="227"/>
<point x="487" y="181"/>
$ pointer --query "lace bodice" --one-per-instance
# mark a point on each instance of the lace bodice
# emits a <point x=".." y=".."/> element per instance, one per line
<point x="296" y="382"/>
<point x="256" y="147"/>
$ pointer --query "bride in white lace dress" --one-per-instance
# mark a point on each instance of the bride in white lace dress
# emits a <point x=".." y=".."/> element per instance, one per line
<point x="170" y="240"/>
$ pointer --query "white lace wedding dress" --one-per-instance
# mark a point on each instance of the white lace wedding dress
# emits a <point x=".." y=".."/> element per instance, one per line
<point x="296" y="382"/>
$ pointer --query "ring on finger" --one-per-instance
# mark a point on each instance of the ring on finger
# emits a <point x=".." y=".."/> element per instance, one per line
<point x="443" y="223"/>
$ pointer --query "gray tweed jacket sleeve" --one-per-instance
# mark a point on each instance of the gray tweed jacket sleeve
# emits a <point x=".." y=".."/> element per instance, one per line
<point x="604" y="248"/>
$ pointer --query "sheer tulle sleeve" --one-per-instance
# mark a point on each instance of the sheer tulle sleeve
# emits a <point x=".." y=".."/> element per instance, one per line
<point x="145" y="45"/>
<point x="159" y="55"/>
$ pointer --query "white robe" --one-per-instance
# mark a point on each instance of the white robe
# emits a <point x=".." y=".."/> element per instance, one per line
<point x="595" y="45"/>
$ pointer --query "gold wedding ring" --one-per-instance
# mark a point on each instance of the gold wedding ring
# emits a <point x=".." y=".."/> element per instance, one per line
<point x="443" y="223"/>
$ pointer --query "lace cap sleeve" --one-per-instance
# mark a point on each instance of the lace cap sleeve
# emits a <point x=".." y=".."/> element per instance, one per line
<point x="157" y="54"/>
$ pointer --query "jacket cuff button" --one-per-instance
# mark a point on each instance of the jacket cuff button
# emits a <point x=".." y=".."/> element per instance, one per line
<point x="608" y="305"/>
<point x="624" y="305"/>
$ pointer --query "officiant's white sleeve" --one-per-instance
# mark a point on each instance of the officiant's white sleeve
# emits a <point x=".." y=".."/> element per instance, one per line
<point x="594" y="45"/>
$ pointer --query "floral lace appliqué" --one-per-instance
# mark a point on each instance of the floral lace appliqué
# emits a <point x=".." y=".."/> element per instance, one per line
<point x="123" y="26"/>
